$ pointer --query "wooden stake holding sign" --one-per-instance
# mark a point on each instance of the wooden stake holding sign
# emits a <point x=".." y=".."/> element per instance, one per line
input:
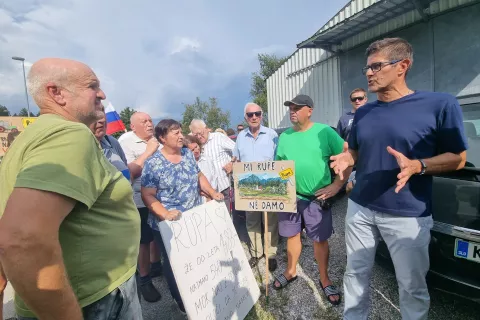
<point x="265" y="187"/>
<point x="267" y="248"/>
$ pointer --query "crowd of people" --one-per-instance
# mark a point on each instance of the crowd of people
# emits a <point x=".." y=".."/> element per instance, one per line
<point x="80" y="211"/>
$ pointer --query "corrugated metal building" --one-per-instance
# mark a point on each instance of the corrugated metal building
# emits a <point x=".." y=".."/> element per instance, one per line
<point x="327" y="66"/>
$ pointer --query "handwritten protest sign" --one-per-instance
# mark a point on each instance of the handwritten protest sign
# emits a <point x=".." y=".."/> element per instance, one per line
<point x="209" y="264"/>
<point x="265" y="186"/>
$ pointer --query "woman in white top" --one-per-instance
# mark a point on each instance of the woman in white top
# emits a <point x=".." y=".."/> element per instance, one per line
<point x="204" y="163"/>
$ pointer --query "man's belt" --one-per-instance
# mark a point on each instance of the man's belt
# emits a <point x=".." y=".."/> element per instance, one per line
<point x="324" y="204"/>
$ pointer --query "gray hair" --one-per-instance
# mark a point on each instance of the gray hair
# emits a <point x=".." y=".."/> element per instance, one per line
<point x="197" y="123"/>
<point x="38" y="79"/>
<point x="250" y="104"/>
<point x="393" y="48"/>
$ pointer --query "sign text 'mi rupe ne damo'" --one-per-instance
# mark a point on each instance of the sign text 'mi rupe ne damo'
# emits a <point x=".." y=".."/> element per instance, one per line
<point x="265" y="186"/>
<point x="209" y="264"/>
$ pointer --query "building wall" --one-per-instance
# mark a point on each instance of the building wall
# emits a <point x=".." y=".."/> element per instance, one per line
<point x="419" y="77"/>
<point x="446" y="51"/>
<point x="309" y="71"/>
<point x="457" y="52"/>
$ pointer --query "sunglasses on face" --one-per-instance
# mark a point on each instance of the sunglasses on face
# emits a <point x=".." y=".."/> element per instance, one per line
<point x="354" y="99"/>
<point x="257" y="114"/>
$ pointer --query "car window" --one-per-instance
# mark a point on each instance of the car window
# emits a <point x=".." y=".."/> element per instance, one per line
<point x="471" y="123"/>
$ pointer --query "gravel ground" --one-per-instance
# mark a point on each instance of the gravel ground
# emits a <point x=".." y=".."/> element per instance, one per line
<point x="304" y="299"/>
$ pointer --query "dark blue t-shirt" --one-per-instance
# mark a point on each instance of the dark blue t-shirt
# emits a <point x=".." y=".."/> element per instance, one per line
<point x="345" y="125"/>
<point x="421" y="125"/>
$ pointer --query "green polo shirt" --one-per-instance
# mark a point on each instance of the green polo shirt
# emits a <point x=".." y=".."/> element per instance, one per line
<point x="311" y="150"/>
<point x="100" y="236"/>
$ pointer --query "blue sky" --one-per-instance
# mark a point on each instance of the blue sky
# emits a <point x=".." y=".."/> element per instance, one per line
<point x="156" y="55"/>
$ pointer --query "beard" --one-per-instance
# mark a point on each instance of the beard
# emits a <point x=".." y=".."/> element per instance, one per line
<point x="88" y="118"/>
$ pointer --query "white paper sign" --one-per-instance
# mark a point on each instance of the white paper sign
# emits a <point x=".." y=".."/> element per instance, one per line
<point x="209" y="264"/>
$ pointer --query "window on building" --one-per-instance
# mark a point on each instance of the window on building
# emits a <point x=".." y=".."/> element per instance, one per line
<point x="471" y="123"/>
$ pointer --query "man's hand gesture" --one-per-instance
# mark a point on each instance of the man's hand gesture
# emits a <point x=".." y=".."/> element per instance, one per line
<point x="342" y="161"/>
<point x="407" y="168"/>
<point x="328" y="192"/>
<point x="152" y="146"/>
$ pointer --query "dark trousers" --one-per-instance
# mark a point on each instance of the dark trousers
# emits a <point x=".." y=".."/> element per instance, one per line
<point x="168" y="272"/>
<point x="228" y="198"/>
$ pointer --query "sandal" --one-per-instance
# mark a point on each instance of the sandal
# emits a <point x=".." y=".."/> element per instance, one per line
<point x="283" y="281"/>
<point x="329" y="291"/>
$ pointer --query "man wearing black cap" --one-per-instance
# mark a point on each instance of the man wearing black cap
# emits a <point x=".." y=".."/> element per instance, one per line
<point x="310" y="145"/>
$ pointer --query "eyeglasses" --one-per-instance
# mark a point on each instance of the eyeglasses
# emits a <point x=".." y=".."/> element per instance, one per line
<point x="256" y="113"/>
<point x="354" y="99"/>
<point x="377" y="66"/>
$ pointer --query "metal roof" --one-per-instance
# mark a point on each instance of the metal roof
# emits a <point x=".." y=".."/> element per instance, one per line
<point x="360" y="15"/>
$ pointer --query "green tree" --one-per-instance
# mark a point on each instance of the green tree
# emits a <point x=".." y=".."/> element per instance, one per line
<point x="269" y="63"/>
<point x="4" y="112"/>
<point x="208" y="111"/>
<point x="23" y="112"/>
<point x="282" y="188"/>
<point x="125" y="115"/>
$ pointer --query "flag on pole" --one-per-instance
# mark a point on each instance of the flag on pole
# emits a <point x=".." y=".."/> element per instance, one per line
<point x="114" y="122"/>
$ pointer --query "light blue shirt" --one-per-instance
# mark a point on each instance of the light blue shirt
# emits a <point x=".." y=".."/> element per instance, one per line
<point x="263" y="148"/>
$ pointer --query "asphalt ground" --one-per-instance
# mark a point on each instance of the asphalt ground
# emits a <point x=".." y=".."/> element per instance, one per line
<point x="303" y="299"/>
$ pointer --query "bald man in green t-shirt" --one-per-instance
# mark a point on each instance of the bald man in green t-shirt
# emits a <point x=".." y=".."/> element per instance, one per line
<point x="69" y="228"/>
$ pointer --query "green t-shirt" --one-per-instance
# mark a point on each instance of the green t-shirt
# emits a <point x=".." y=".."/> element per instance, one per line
<point x="311" y="150"/>
<point x="100" y="236"/>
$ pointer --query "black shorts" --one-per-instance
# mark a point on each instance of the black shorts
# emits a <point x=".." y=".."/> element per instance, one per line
<point x="146" y="233"/>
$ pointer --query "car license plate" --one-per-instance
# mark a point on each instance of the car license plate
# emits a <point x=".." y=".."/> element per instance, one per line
<point x="467" y="250"/>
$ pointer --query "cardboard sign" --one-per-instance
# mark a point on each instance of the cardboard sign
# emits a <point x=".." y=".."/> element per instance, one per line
<point x="10" y="128"/>
<point x="209" y="264"/>
<point x="265" y="186"/>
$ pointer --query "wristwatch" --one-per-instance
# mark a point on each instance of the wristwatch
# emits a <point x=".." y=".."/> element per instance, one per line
<point x="424" y="167"/>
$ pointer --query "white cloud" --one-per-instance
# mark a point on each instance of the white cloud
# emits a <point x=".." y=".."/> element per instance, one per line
<point x="153" y="55"/>
<point x="185" y="44"/>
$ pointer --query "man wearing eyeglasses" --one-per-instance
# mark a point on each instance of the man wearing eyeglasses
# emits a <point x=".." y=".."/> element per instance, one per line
<point x="397" y="143"/>
<point x="255" y="144"/>
<point x="358" y="97"/>
<point x="219" y="148"/>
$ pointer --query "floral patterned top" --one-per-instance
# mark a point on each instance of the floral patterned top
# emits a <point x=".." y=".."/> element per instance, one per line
<point x="177" y="184"/>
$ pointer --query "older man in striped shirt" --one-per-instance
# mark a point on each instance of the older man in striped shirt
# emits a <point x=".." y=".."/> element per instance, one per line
<point x="219" y="148"/>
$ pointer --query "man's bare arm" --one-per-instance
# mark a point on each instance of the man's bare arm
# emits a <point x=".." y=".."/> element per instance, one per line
<point x="31" y="256"/>
<point x="341" y="181"/>
<point x="445" y="162"/>
<point x="3" y="285"/>
<point x="136" y="166"/>
<point x="354" y="155"/>
<point x="205" y="186"/>
<point x="332" y="189"/>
